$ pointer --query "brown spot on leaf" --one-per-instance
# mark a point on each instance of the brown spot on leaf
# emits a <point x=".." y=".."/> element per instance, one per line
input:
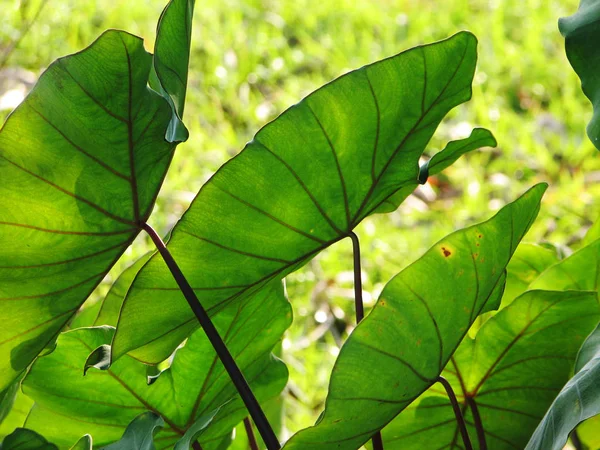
<point x="446" y="252"/>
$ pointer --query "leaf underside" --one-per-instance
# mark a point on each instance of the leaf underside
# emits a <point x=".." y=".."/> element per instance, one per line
<point x="304" y="182"/>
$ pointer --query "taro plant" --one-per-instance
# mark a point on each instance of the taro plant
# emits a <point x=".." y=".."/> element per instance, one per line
<point x="180" y="351"/>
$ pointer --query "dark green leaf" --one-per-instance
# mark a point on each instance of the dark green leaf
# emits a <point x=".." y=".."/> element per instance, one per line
<point x="17" y="415"/>
<point x="511" y="372"/>
<point x="103" y="402"/>
<point x="7" y="399"/>
<point x="304" y="182"/>
<point x="582" y="33"/>
<point x="578" y="400"/>
<point x="139" y="434"/>
<point x="423" y="313"/>
<point x="24" y="439"/>
<point x="81" y="162"/>
<point x="194" y="431"/>
<point x="99" y="359"/>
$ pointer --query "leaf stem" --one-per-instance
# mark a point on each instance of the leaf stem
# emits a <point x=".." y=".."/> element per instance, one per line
<point x="460" y="420"/>
<point x="478" y="423"/>
<point x="358" y="299"/>
<point x="250" y="433"/>
<point x="360" y="311"/>
<point x="263" y="425"/>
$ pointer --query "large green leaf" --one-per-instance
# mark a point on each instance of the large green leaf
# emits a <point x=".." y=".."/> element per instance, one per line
<point x="401" y="347"/>
<point x="304" y="182"/>
<point x="577" y="401"/>
<point x="103" y="403"/>
<point x="582" y="33"/>
<point x="511" y="372"/>
<point x="81" y="163"/>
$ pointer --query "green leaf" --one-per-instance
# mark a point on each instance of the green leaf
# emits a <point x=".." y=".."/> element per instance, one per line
<point x="577" y="401"/>
<point x="7" y="399"/>
<point x="18" y="413"/>
<point x="401" y="347"/>
<point x="193" y="432"/>
<point x="480" y="137"/>
<point x="526" y="265"/>
<point x="195" y="384"/>
<point x="24" y="439"/>
<point x="81" y="162"/>
<point x="139" y="434"/>
<point x="592" y="234"/>
<point x="304" y="182"/>
<point x="172" y="47"/>
<point x="111" y="305"/>
<point x="85" y="443"/>
<point x="582" y="32"/>
<point x="509" y="373"/>
<point x="580" y="271"/>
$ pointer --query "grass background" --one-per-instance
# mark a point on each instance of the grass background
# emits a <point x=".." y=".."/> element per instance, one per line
<point x="251" y="59"/>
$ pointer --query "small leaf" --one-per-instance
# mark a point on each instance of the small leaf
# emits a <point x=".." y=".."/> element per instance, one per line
<point x="7" y="399"/>
<point x="24" y="439"/>
<point x="509" y="373"/>
<point x="582" y="32"/>
<point x="139" y="434"/>
<point x="193" y="432"/>
<point x="577" y="401"/>
<point x="99" y="359"/>
<point x="398" y="351"/>
<point x="480" y="137"/>
<point x="85" y="443"/>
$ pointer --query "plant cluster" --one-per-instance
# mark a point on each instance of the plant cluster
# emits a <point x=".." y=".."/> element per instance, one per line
<point x="473" y="345"/>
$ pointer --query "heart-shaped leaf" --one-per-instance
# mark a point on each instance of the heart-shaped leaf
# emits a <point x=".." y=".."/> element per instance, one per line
<point x="509" y="375"/>
<point x="304" y="182"/>
<point x="401" y="347"/>
<point x="81" y="163"/>
<point x="582" y="32"/>
<point x="194" y="385"/>
<point x="577" y="401"/>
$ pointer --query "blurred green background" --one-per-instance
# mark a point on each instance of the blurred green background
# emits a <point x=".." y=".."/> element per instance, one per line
<point x="252" y="59"/>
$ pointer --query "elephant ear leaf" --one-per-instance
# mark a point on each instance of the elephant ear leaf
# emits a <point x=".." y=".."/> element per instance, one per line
<point x="304" y="182"/>
<point x="399" y="350"/>
<point x="582" y="33"/>
<point x="81" y="162"/>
